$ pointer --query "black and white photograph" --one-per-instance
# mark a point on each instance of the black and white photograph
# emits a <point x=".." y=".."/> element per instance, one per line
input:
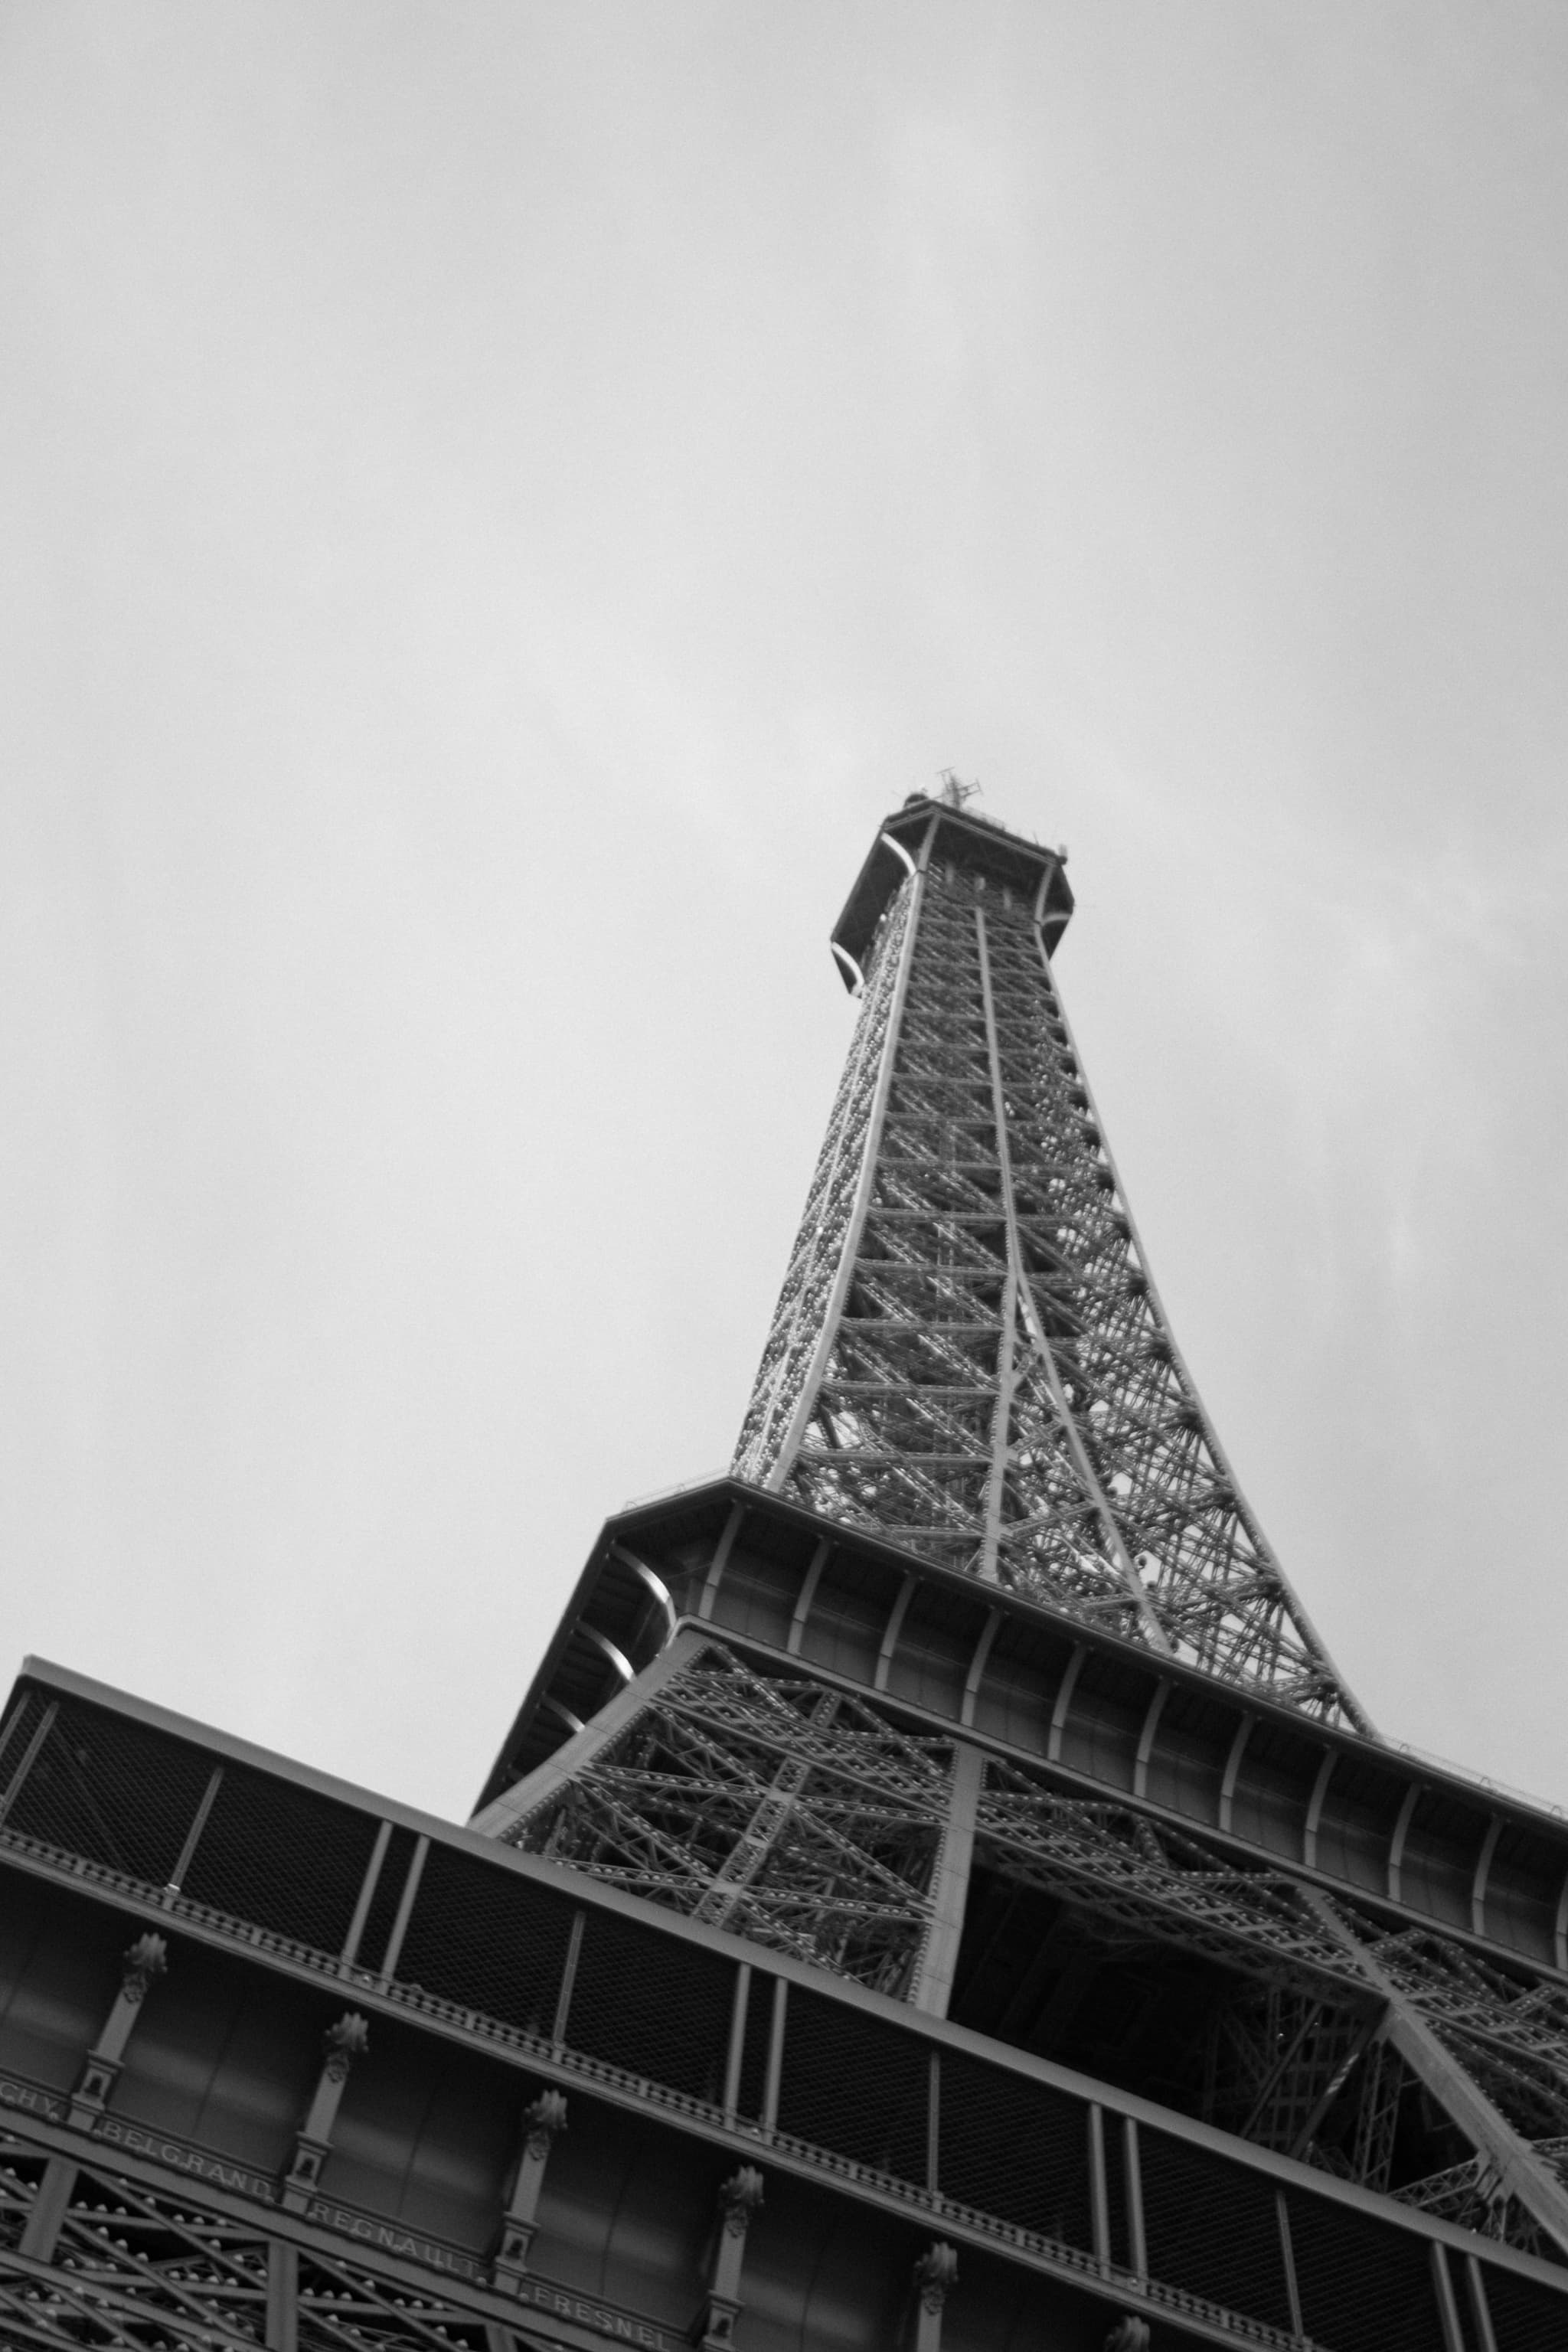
<point x="783" y="1320"/>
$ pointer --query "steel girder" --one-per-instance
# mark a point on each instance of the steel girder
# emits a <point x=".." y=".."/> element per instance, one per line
<point x="1508" y="2032"/>
<point x="808" y="1819"/>
<point x="802" y="1817"/>
<point x="968" y="1360"/>
<point x="1470" y="2195"/>
<point x="1490" y="2048"/>
<point x="791" y="1813"/>
<point x="1127" y="1867"/>
<point x="126" y="2269"/>
<point x="1278" y="2063"/>
<point x="968" y="1356"/>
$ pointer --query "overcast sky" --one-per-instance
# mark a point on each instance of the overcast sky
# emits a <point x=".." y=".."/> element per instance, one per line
<point x="495" y="501"/>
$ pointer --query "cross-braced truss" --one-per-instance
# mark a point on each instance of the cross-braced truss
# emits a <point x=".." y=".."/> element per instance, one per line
<point x="1508" y="2029"/>
<point x="1471" y="2195"/>
<point x="967" y="1355"/>
<point x="809" y="1820"/>
<point x="1156" y="1881"/>
<point x="131" y="2270"/>
<point x="969" y="1360"/>
<point x="1500" y="2037"/>
<point x="1277" y="2064"/>
<point x="791" y="1813"/>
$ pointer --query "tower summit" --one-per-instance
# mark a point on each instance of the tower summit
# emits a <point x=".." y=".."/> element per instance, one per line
<point x="937" y="1894"/>
<point x="968" y="1355"/>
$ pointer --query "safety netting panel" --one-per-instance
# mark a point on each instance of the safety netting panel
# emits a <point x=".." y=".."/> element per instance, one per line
<point x="1212" y="2228"/>
<point x="105" y="1787"/>
<point x="855" y="2086"/>
<point x="282" y="1857"/>
<point x="1526" y="2313"/>
<point x="486" y="1940"/>
<point x="1365" y="2286"/>
<point x="642" y="2001"/>
<point x="1013" y="2147"/>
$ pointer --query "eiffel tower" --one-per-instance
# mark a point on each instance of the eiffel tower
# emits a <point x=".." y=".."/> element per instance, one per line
<point x="938" y="1891"/>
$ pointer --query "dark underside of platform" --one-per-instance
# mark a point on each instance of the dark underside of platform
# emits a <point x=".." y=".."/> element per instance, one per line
<point x="486" y="1978"/>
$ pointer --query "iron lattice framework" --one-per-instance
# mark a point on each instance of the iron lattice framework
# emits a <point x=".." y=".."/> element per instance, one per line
<point x="847" y="1867"/>
<point x="129" y="2270"/>
<point x="787" y="1812"/>
<point x="968" y="1355"/>
<point x="969" y="1362"/>
<point x="814" y="1823"/>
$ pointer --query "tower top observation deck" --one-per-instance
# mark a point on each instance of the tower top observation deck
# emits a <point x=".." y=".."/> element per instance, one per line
<point x="939" y="828"/>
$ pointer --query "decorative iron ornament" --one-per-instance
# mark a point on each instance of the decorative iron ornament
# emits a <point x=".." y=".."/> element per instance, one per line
<point x="968" y="1356"/>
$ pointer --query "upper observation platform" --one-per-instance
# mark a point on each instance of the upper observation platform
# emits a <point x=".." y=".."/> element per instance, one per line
<point x="940" y="829"/>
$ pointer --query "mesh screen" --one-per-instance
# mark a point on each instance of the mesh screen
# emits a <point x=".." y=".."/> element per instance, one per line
<point x="1365" y="2287"/>
<point x="654" y="2006"/>
<point x="1213" y="2228"/>
<point x="282" y="1857"/>
<point x="383" y="1902"/>
<point x="113" y="1791"/>
<point x="1526" y="2316"/>
<point x="1015" y="2148"/>
<point x="486" y="1940"/>
<point x="854" y="2085"/>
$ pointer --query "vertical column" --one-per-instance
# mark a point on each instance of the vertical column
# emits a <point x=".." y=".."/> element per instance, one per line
<point x="358" y="1924"/>
<point x="393" y="1951"/>
<point x="1133" y="2176"/>
<point x="1486" y="2336"/>
<point x="568" y="1980"/>
<point x="739" y="2200"/>
<point x="1287" y="2259"/>
<point x="342" y="2044"/>
<point x="542" y="2120"/>
<point x="187" y="1854"/>
<point x="146" y="1959"/>
<point x="721" y="1560"/>
<point x="1099" y="2193"/>
<point x="935" y="2272"/>
<point x="775" y="2078"/>
<point x="938" y="1964"/>
<point x="50" y="2209"/>
<point x="282" y="2297"/>
<point x="933" y="2125"/>
<point x="1448" y="2307"/>
<point x="736" y="2049"/>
